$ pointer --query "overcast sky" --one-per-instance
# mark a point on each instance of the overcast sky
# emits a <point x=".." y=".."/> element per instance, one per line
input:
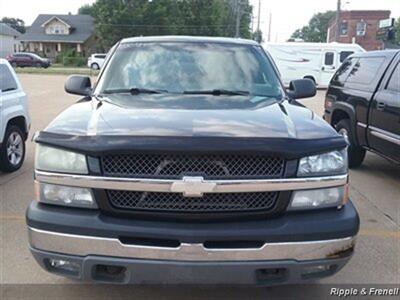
<point x="287" y="15"/>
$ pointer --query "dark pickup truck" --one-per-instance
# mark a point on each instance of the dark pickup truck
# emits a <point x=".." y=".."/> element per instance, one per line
<point x="188" y="162"/>
<point x="363" y="104"/>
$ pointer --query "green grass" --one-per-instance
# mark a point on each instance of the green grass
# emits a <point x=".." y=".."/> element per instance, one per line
<point x="58" y="70"/>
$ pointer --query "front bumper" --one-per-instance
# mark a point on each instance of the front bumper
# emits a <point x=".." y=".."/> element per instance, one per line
<point x="82" y="245"/>
<point x="119" y="270"/>
<point x="205" y="253"/>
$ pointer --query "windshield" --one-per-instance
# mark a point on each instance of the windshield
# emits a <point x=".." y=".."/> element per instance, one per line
<point x="182" y="67"/>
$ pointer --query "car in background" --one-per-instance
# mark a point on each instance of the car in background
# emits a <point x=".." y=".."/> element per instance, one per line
<point x="363" y="104"/>
<point x="26" y="59"/>
<point x="14" y="119"/>
<point x="96" y="61"/>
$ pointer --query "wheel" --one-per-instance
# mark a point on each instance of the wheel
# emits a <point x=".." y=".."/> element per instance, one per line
<point x="12" y="152"/>
<point x="38" y="65"/>
<point x="14" y="64"/>
<point x="356" y="154"/>
<point x="95" y="66"/>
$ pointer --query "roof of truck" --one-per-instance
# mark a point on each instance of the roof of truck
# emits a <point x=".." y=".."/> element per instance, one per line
<point x="192" y="39"/>
<point x="380" y="53"/>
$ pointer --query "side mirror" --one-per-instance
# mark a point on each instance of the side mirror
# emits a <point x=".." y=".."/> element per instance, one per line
<point x="78" y="85"/>
<point x="302" y="88"/>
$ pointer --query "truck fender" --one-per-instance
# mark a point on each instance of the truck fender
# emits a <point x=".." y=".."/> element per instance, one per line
<point x="11" y="113"/>
<point x="342" y="110"/>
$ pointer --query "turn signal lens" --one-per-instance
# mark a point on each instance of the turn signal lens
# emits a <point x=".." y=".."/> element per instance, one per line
<point x="320" y="198"/>
<point x="67" y="196"/>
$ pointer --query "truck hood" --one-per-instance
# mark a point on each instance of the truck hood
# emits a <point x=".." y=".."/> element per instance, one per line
<point x="191" y="124"/>
<point x="190" y="116"/>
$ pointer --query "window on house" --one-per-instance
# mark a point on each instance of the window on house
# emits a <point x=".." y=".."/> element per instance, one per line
<point x="343" y="28"/>
<point x="56" y="29"/>
<point x="361" y="28"/>
<point x="60" y="29"/>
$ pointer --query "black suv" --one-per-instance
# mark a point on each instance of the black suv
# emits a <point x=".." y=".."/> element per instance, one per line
<point x="189" y="162"/>
<point x="363" y="104"/>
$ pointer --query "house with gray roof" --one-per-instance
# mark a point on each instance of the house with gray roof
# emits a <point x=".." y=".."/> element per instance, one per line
<point x="8" y="40"/>
<point x="51" y="34"/>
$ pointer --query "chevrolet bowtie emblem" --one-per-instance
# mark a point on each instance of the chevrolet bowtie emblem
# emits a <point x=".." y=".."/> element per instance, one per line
<point x="192" y="186"/>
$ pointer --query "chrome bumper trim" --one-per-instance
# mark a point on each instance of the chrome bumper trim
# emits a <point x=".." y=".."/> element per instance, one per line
<point x="81" y="245"/>
<point x="167" y="185"/>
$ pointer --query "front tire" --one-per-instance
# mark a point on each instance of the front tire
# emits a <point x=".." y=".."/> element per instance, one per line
<point x="356" y="154"/>
<point x="95" y="66"/>
<point x="12" y="152"/>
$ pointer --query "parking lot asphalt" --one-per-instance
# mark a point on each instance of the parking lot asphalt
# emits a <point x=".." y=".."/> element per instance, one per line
<point x="374" y="189"/>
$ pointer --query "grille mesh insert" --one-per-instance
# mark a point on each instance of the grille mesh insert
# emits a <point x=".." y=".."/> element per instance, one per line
<point x="175" y="202"/>
<point x="209" y="166"/>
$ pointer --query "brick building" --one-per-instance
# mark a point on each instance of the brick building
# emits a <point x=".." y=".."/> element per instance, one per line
<point x="359" y="26"/>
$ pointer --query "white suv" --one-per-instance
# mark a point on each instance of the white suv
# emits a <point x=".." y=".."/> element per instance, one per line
<point x="14" y="119"/>
<point x="96" y="61"/>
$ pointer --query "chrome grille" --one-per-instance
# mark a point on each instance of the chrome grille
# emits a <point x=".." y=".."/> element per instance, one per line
<point x="175" y="202"/>
<point x="209" y="166"/>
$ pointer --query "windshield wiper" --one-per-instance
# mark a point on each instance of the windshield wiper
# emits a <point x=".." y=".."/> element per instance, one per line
<point x="217" y="92"/>
<point x="134" y="91"/>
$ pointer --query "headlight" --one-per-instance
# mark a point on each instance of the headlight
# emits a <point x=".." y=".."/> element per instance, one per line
<point x="330" y="163"/>
<point x="320" y="198"/>
<point x="64" y="195"/>
<point x="57" y="160"/>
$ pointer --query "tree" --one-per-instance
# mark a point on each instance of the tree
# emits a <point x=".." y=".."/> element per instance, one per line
<point x="317" y="28"/>
<point x="86" y="9"/>
<point x="257" y="36"/>
<point x="117" y="19"/>
<point x="15" y="23"/>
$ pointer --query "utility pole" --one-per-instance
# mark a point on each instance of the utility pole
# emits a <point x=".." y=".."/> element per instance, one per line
<point x="257" y="36"/>
<point x="269" y="27"/>
<point x="338" y="11"/>
<point x="259" y="14"/>
<point x="238" y="17"/>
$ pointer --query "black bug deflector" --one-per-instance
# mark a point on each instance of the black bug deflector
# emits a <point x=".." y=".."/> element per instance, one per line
<point x="102" y="145"/>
